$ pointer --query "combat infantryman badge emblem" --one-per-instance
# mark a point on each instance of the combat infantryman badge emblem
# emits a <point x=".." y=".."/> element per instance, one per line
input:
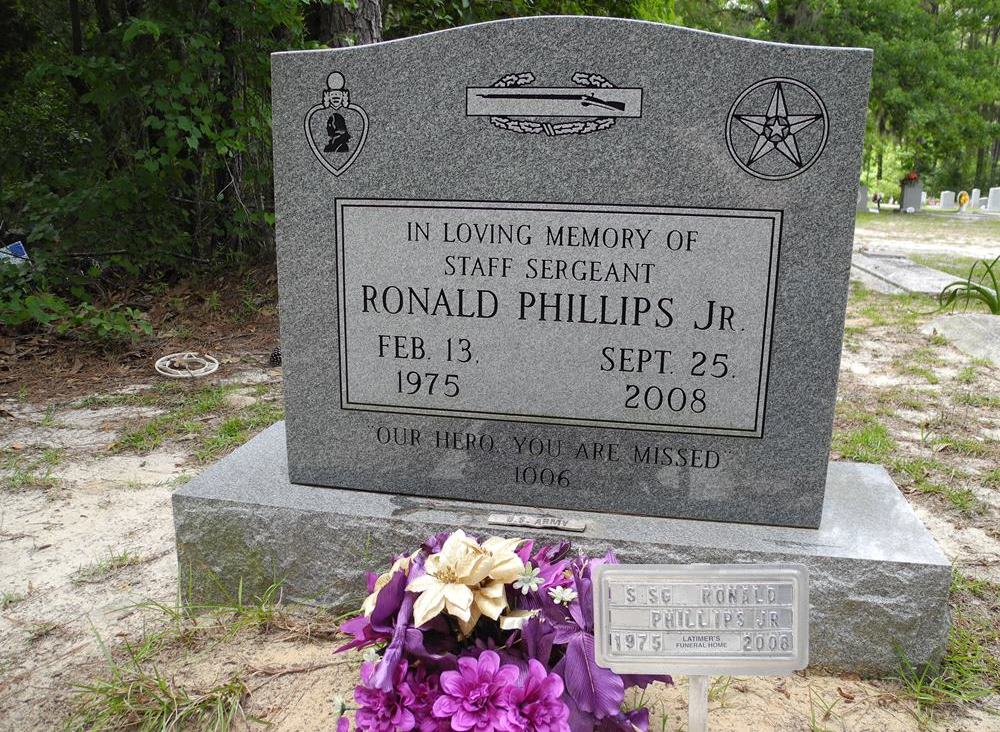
<point x="767" y="139"/>
<point x="595" y="100"/>
<point x="343" y="146"/>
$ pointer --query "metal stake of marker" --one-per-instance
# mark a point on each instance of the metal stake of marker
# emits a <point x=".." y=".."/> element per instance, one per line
<point x="697" y="703"/>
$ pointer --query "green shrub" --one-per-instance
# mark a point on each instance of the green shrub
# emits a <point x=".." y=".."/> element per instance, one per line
<point x="982" y="285"/>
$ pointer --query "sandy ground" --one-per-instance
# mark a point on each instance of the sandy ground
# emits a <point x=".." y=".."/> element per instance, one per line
<point x="79" y="555"/>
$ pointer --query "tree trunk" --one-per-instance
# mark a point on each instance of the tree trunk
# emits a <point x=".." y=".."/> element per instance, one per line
<point x="103" y="10"/>
<point x="334" y="25"/>
<point x="74" y="18"/>
<point x="79" y="88"/>
<point x="368" y="22"/>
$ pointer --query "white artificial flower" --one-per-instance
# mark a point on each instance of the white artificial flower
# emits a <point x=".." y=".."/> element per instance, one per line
<point x="562" y="595"/>
<point x="515" y="619"/>
<point x="371" y="654"/>
<point x="528" y="580"/>
<point x="452" y="582"/>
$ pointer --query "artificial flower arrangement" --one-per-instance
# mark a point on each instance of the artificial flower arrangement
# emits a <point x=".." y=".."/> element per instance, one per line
<point x="498" y="635"/>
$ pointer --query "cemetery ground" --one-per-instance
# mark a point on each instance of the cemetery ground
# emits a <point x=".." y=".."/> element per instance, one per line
<point x="93" y="636"/>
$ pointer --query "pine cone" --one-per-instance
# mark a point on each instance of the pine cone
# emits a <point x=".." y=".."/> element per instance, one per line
<point x="275" y="359"/>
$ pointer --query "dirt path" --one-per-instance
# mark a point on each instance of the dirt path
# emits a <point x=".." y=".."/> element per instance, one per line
<point x="927" y="233"/>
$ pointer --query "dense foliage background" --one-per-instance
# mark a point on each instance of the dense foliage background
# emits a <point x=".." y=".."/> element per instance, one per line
<point x="135" y="135"/>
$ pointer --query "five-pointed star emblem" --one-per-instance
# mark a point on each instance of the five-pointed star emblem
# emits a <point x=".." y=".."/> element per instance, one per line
<point x="776" y="129"/>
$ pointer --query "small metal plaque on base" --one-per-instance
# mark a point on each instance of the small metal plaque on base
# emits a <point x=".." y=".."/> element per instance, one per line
<point x="702" y="618"/>
<point x="536" y="521"/>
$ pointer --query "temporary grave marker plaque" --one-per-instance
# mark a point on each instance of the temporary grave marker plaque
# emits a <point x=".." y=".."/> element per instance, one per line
<point x="568" y="262"/>
<point x="701" y="620"/>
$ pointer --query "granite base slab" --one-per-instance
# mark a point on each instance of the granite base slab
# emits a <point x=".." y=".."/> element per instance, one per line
<point x="878" y="581"/>
<point x="901" y="273"/>
<point x="975" y="334"/>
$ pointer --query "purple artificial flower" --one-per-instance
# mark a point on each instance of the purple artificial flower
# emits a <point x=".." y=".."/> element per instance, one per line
<point x="550" y="571"/>
<point x="475" y="696"/>
<point x="635" y="721"/>
<point x="424" y="689"/>
<point x="536" y="705"/>
<point x="594" y="690"/>
<point x="536" y="639"/>
<point x="380" y="627"/>
<point x="384" y="711"/>
<point x="343" y="724"/>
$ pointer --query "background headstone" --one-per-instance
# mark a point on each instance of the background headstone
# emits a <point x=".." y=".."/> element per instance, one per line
<point x="974" y="199"/>
<point x="862" y="199"/>
<point x="947" y="199"/>
<point x="912" y="196"/>
<point x="993" y="202"/>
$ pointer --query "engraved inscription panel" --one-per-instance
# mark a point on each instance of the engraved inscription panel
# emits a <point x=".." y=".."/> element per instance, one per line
<point x="709" y="618"/>
<point x="646" y="318"/>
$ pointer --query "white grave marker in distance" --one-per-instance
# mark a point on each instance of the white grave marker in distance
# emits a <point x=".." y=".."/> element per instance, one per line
<point x="702" y="620"/>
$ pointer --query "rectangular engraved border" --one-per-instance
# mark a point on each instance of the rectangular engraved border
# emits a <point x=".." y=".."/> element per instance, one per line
<point x="798" y="574"/>
<point x="756" y="431"/>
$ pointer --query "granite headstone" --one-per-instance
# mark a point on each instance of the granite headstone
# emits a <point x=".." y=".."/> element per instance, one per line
<point x="948" y="199"/>
<point x="626" y="249"/>
<point x="568" y="262"/>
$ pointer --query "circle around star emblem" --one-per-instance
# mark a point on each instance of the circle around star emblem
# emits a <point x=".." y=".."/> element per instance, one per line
<point x="777" y="128"/>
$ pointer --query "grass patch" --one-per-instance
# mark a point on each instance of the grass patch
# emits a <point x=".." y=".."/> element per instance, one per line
<point x="926" y="356"/>
<point x="193" y="412"/>
<point x="968" y="673"/>
<point x="963" y="499"/>
<point x="910" y="368"/>
<point x="977" y="400"/>
<point x="977" y="588"/>
<point x="903" y="312"/>
<point x="9" y="599"/>
<point x="132" y="692"/>
<point x="151" y="398"/>
<point x="970" y="669"/>
<point x="968" y="446"/>
<point x="930" y="477"/>
<point x="104" y="568"/>
<point x="918" y="468"/>
<point x="234" y="431"/>
<point x="41" y="630"/>
<point x="966" y="375"/>
<point x="906" y="398"/>
<point x="871" y="443"/>
<point x="927" y="222"/>
<point x="957" y="266"/>
<point x="184" y="406"/>
<point x="135" y="694"/>
<point x="22" y="472"/>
